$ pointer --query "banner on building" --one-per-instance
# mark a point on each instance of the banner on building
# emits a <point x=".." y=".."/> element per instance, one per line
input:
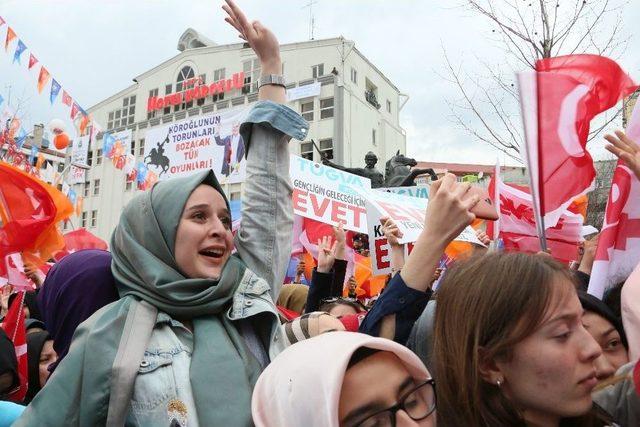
<point x="328" y="195"/>
<point x="306" y="91"/>
<point x="123" y="139"/>
<point x="79" y="154"/>
<point x="211" y="141"/>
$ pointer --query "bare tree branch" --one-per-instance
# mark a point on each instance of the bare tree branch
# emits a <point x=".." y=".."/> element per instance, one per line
<point x="528" y="31"/>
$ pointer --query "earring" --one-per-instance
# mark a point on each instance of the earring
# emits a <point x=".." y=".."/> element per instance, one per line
<point x="498" y="383"/>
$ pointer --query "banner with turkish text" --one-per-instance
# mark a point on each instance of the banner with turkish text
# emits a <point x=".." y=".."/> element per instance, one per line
<point x="328" y="195"/>
<point x="210" y="141"/>
<point x="79" y="155"/>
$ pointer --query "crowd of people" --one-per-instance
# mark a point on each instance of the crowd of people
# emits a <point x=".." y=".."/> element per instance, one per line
<point x="183" y="323"/>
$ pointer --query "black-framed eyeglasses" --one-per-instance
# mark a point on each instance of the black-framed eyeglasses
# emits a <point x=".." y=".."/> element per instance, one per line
<point x="418" y="403"/>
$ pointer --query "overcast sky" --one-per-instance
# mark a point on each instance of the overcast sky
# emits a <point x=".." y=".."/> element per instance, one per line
<point x="95" y="48"/>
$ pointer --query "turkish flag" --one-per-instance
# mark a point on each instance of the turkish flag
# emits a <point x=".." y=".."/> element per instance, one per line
<point x="66" y="98"/>
<point x="29" y="212"/>
<point x="518" y="227"/>
<point x="559" y="101"/>
<point x="14" y="327"/>
<point x="78" y="240"/>
<point x="32" y="60"/>
<point x="15" y="273"/>
<point x="618" y="250"/>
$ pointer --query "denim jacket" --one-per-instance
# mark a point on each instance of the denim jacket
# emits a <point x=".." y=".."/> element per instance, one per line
<point x="263" y="242"/>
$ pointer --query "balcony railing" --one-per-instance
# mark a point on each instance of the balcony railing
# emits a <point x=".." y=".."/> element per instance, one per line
<point x="370" y="96"/>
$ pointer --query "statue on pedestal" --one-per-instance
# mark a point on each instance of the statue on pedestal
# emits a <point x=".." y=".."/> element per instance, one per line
<point x="398" y="171"/>
<point x="369" y="171"/>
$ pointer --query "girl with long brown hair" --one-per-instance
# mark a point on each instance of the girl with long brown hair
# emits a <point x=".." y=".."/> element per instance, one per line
<point x="510" y="347"/>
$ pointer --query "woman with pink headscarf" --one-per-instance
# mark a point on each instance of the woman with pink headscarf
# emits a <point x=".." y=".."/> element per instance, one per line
<point x="326" y="381"/>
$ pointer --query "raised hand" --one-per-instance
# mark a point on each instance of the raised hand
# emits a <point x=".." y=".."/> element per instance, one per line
<point x="6" y="292"/>
<point x="391" y="231"/>
<point x="260" y="38"/>
<point x="483" y="237"/>
<point x="448" y="213"/>
<point x="33" y="273"/>
<point x="626" y="150"/>
<point x="589" y="254"/>
<point x="341" y="241"/>
<point x="326" y="254"/>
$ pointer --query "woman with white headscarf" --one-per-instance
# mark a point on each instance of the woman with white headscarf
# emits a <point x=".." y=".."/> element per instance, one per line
<point x="326" y="381"/>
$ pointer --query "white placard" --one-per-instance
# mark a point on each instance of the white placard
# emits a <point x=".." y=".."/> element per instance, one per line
<point x="305" y="91"/>
<point x="79" y="154"/>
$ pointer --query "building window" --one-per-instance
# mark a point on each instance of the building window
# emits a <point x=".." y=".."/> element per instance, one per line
<point x="371" y="94"/>
<point x="133" y="147"/>
<point x="168" y="90"/>
<point x="234" y="191"/>
<point x="217" y="76"/>
<point x="90" y="157"/>
<point x="61" y="167"/>
<point x="185" y="74"/>
<point x="354" y="76"/>
<point x="326" y="108"/>
<point x="251" y="70"/>
<point x="202" y="80"/>
<point x="141" y="147"/>
<point x="152" y="93"/>
<point x="306" y="109"/>
<point x="96" y="187"/>
<point x="84" y="220"/>
<point x="85" y="191"/>
<point x="388" y="106"/>
<point x="99" y="156"/>
<point x="317" y="71"/>
<point x="326" y="147"/>
<point x="123" y="116"/>
<point x="306" y="150"/>
<point x="94" y="219"/>
<point x="373" y="137"/>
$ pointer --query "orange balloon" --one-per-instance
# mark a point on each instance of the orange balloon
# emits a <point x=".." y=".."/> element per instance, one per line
<point x="61" y="141"/>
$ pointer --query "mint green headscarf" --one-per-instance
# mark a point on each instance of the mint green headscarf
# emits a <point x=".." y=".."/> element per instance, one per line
<point x="223" y="371"/>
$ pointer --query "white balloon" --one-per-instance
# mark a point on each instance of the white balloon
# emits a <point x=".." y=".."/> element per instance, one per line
<point x="57" y="126"/>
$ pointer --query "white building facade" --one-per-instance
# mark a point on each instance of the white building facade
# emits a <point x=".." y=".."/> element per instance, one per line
<point x="353" y="109"/>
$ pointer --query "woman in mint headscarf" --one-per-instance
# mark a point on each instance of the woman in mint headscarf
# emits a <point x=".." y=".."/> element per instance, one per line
<point x="195" y="325"/>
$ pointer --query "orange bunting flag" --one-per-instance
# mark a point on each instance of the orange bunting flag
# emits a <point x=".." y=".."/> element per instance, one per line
<point x="79" y="204"/>
<point x="10" y="36"/>
<point x="43" y="79"/>
<point x="40" y="161"/>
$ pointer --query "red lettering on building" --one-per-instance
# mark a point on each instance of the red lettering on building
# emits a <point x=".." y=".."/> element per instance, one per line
<point x="196" y="92"/>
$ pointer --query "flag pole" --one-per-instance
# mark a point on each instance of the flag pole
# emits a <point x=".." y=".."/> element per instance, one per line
<point x="528" y="91"/>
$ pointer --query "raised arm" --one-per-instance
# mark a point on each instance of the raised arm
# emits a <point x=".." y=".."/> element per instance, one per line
<point x="264" y="238"/>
